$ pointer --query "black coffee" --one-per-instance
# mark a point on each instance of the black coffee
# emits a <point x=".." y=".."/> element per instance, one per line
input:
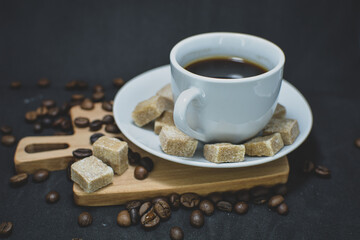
<point x="225" y="67"/>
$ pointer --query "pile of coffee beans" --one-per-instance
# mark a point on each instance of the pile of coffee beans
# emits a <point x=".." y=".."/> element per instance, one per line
<point x="143" y="165"/>
<point x="7" y="139"/>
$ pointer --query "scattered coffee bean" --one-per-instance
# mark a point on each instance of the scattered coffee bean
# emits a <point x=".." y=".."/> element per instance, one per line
<point x="40" y="175"/>
<point x="107" y="106"/>
<point x="150" y="219"/>
<point x="87" y="104"/>
<point x="280" y="189"/>
<point x="107" y="119"/>
<point x="176" y="233"/>
<point x="18" y="180"/>
<point x="66" y="125"/>
<point x="123" y="218"/>
<point x="133" y="157"/>
<point x="71" y="85"/>
<point x="224" y="206"/>
<point x="322" y="171"/>
<point x="43" y="82"/>
<point x="98" y="88"/>
<point x="282" y="209"/>
<point x="41" y="111"/>
<point x="57" y="123"/>
<point x="81" y="85"/>
<point x="82" y="153"/>
<point x="52" y="197"/>
<point x="5" y="129"/>
<point x="112" y="128"/>
<point x="8" y="140"/>
<point x="49" y="103"/>
<point x="207" y="207"/>
<point x="54" y="112"/>
<point x="98" y="96"/>
<point x="147" y="163"/>
<point x="134" y="215"/>
<point x="46" y="122"/>
<point x="95" y="125"/>
<point x="275" y="201"/>
<point x="197" y="219"/>
<point x="140" y="173"/>
<point x="260" y="200"/>
<point x="162" y="209"/>
<point x="37" y="127"/>
<point x="118" y="82"/>
<point x="64" y="109"/>
<point x="81" y="122"/>
<point x="156" y="199"/>
<point x="229" y="197"/>
<point x="77" y="97"/>
<point x="241" y="208"/>
<point x="5" y="229"/>
<point x="215" y="197"/>
<point x="357" y="142"/>
<point x="174" y="200"/>
<point x="68" y="170"/>
<point x="95" y="137"/>
<point x="133" y="204"/>
<point x="85" y="219"/>
<point x="259" y="191"/>
<point x="190" y="200"/>
<point x="243" y="196"/>
<point x="15" y="85"/>
<point x="145" y="207"/>
<point x="308" y="166"/>
<point x="31" y="116"/>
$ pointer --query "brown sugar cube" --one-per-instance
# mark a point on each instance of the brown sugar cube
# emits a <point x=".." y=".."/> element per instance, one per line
<point x="91" y="174"/>
<point x="280" y="111"/>
<point x="166" y="92"/>
<point x="264" y="146"/>
<point x="166" y="119"/>
<point x="175" y="142"/>
<point x="149" y="110"/>
<point x="224" y="152"/>
<point x="113" y="152"/>
<point x="288" y="128"/>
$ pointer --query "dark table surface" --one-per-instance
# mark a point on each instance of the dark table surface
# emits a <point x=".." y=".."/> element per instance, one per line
<point x="97" y="41"/>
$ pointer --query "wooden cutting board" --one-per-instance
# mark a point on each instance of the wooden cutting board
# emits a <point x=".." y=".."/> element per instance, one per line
<point x="54" y="153"/>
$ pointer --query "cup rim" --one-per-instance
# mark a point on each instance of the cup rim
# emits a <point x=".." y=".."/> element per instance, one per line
<point x="175" y="63"/>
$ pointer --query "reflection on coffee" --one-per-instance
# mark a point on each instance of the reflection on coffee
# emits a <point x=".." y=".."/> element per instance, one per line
<point x="225" y="67"/>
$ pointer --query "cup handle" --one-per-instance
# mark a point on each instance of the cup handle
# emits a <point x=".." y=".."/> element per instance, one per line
<point x="180" y="112"/>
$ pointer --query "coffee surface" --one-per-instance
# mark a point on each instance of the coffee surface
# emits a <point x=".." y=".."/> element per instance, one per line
<point x="225" y="67"/>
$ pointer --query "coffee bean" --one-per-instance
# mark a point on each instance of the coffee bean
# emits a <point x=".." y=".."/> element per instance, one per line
<point x="98" y="96"/>
<point x="71" y="85"/>
<point x="77" y="97"/>
<point x="123" y="218"/>
<point x="81" y="85"/>
<point x="64" y="108"/>
<point x="241" y="208"/>
<point x="5" y="229"/>
<point x="57" y="123"/>
<point x="107" y="106"/>
<point x="308" y="166"/>
<point x="54" y="112"/>
<point x="215" y="197"/>
<point x="156" y="199"/>
<point x="147" y="163"/>
<point x="260" y="200"/>
<point x="207" y="207"/>
<point x="66" y="125"/>
<point x="112" y="128"/>
<point x="282" y="209"/>
<point x="176" y="233"/>
<point x="8" y="140"/>
<point x="81" y="153"/>
<point x="134" y="215"/>
<point x="133" y="157"/>
<point x="31" y="116"/>
<point x="107" y="119"/>
<point x="174" y="200"/>
<point x="118" y="82"/>
<point x="322" y="171"/>
<point x="98" y="88"/>
<point x="49" y="103"/>
<point x="224" y="206"/>
<point x="5" y="129"/>
<point x="190" y="200"/>
<point x="243" y="196"/>
<point x="275" y="201"/>
<point x="68" y="170"/>
<point x="18" y="180"/>
<point x="37" y="127"/>
<point x="357" y="142"/>
<point x="162" y="209"/>
<point x="133" y="204"/>
<point x="140" y="173"/>
<point x="87" y="104"/>
<point x="46" y="122"/>
<point x="95" y="125"/>
<point x="43" y="82"/>
<point x="85" y="219"/>
<point x="40" y="175"/>
<point x="52" y="197"/>
<point x="197" y="219"/>
<point x="15" y="85"/>
<point x="81" y="122"/>
<point x="259" y="191"/>
<point x="145" y="207"/>
<point x="280" y="189"/>
<point x="95" y="137"/>
<point x="229" y="197"/>
<point x="41" y="111"/>
<point x="150" y="219"/>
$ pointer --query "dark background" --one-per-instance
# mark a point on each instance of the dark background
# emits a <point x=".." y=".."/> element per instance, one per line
<point x="99" y="40"/>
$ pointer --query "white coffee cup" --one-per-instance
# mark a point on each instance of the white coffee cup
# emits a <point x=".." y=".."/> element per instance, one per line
<point x="225" y="110"/>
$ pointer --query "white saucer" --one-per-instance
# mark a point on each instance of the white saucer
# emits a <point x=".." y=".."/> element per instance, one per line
<point x="147" y="84"/>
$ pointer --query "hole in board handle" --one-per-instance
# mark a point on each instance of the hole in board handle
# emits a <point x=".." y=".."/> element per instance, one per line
<point x="43" y="147"/>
